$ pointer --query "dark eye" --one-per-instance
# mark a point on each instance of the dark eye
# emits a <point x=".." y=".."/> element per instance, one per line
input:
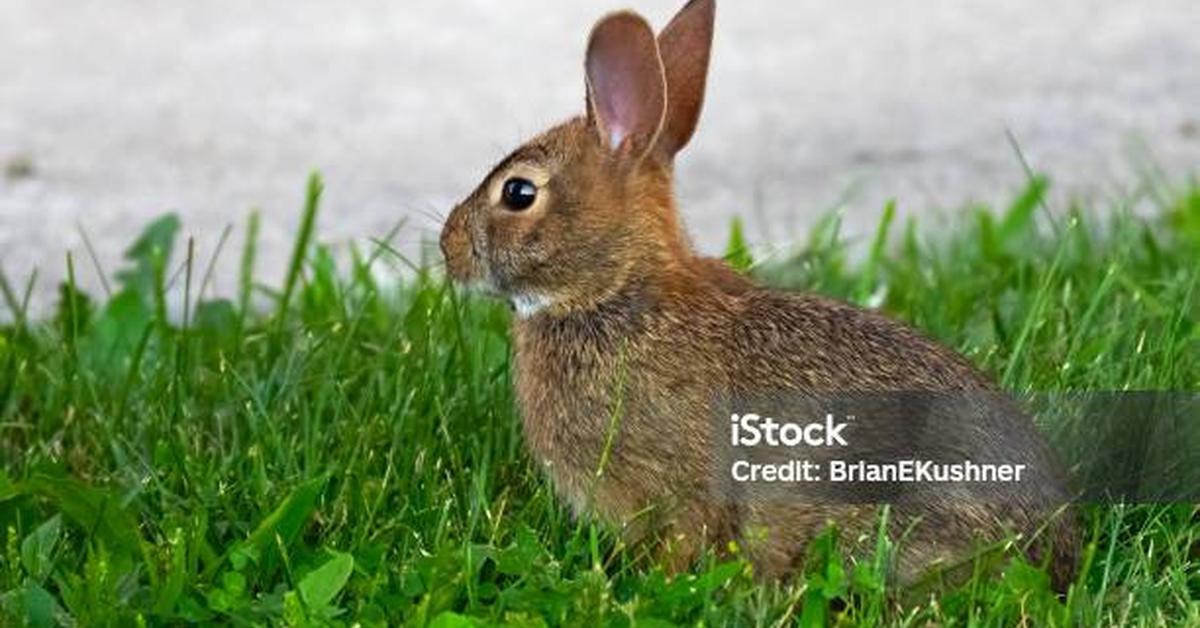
<point x="518" y="193"/>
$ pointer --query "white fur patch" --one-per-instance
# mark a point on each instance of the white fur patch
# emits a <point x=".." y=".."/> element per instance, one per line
<point x="527" y="305"/>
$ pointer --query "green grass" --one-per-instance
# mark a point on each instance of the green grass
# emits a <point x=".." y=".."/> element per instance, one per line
<point x="352" y="453"/>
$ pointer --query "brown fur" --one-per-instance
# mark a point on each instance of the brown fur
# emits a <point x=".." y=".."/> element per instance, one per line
<point x="628" y="338"/>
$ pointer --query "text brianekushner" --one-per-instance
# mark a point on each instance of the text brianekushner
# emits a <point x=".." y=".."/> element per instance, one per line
<point x="862" y="471"/>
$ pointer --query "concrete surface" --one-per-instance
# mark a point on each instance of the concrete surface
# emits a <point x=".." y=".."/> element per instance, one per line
<point x="113" y="112"/>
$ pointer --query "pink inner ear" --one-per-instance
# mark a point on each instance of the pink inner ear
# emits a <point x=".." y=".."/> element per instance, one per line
<point x="626" y="80"/>
<point x="616" y="135"/>
<point x="615" y="99"/>
<point x="618" y="112"/>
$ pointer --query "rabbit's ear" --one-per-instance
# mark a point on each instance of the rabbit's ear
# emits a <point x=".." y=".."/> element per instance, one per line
<point x="627" y="91"/>
<point x="685" y="45"/>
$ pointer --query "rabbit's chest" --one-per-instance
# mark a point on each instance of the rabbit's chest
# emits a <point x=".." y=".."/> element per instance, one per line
<point x="645" y="420"/>
<point x="566" y="404"/>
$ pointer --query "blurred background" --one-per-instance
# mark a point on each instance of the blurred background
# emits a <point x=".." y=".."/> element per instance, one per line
<point x="113" y="113"/>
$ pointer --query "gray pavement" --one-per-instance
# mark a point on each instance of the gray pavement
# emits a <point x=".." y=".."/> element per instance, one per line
<point x="113" y="112"/>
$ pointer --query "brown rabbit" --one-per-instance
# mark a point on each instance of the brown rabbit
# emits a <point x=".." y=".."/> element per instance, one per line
<point x="627" y="344"/>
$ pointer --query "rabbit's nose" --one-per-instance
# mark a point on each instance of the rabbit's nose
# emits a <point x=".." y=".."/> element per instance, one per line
<point x="455" y="242"/>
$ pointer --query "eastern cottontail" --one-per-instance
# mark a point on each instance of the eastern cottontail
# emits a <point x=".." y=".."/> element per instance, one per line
<point x="626" y="342"/>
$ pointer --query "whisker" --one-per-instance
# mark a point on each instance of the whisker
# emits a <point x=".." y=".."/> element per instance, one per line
<point x="437" y="217"/>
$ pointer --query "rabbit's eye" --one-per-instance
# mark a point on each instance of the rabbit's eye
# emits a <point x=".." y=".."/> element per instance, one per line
<point x="518" y="193"/>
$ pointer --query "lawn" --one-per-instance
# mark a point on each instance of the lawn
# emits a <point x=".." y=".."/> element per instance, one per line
<point x="332" y="449"/>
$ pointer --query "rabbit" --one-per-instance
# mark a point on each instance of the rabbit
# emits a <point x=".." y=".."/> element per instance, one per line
<point x="625" y="340"/>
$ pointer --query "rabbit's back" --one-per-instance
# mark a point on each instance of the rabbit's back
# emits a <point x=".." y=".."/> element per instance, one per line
<point x="811" y="342"/>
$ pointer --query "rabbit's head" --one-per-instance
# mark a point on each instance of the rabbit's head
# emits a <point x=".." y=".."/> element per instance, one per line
<point x="582" y="209"/>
